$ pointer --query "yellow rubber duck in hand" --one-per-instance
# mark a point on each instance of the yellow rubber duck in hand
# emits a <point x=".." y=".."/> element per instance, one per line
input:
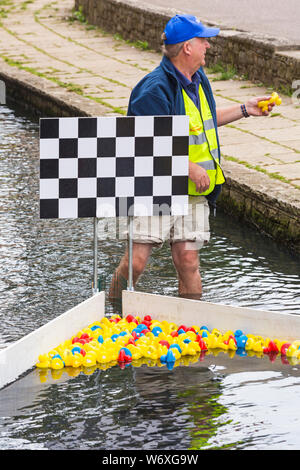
<point x="275" y="98"/>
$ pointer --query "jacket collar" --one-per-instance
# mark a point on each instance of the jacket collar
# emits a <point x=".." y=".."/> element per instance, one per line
<point x="169" y="68"/>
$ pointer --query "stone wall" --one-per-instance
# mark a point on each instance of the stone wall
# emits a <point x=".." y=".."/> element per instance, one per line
<point x="258" y="57"/>
<point x="260" y="206"/>
<point x="126" y="19"/>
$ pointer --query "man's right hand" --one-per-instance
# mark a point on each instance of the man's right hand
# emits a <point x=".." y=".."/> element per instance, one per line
<point x="199" y="176"/>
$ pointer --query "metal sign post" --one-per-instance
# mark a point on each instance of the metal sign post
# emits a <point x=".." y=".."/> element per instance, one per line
<point x="130" y="244"/>
<point x="95" y="277"/>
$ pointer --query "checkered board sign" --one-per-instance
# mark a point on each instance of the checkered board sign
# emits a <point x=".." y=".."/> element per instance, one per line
<point x="113" y="166"/>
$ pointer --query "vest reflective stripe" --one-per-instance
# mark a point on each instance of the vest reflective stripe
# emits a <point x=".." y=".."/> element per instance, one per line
<point x="197" y="139"/>
<point x="203" y="144"/>
<point x="215" y="153"/>
<point x="209" y="165"/>
<point x="209" y="124"/>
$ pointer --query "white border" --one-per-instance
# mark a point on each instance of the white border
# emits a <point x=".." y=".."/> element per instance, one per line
<point x="20" y="356"/>
<point x="268" y="324"/>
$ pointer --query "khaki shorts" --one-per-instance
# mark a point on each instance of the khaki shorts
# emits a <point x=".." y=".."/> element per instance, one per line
<point x="193" y="228"/>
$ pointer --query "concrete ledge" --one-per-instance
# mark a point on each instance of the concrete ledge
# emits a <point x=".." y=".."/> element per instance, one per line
<point x="270" y="205"/>
<point x="256" y="56"/>
<point x="42" y="97"/>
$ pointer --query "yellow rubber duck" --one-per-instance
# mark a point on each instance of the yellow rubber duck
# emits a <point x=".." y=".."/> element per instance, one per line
<point x="67" y="357"/>
<point x="77" y="360"/>
<point x="57" y="363"/>
<point x="43" y="365"/>
<point x="231" y="345"/>
<point x="249" y="344"/>
<point x="135" y="352"/>
<point x="89" y="359"/>
<point x="292" y="351"/>
<point x="212" y="342"/>
<point x="258" y="346"/>
<point x="275" y="98"/>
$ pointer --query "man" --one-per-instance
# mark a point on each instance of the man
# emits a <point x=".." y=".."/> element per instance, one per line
<point x="179" y="86"/>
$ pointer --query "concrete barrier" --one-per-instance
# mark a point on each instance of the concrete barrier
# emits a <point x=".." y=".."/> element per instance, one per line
<point x="268" y="324"/>
<point x="22" y="355"/>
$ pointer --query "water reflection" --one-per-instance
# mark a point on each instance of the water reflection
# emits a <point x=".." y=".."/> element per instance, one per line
<point x="113" y="410"/>
<point x="214" y="404"/>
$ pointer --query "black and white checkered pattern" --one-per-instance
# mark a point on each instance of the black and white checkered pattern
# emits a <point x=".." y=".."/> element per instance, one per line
<point x="113" y="166"/>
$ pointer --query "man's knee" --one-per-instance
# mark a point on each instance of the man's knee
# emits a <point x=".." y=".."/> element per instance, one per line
<point x="186" y="261"/>
<point x="139" y="261"/>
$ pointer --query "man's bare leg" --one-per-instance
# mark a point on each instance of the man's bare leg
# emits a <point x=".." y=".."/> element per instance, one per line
<point x="186" y="262"/>
<point x="140" y="255"/>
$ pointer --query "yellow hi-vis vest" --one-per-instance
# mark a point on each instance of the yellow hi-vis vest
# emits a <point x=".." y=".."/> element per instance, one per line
<point x="203" y="144"/>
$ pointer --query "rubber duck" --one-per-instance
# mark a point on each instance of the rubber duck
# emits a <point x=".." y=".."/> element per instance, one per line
<point x="275" y="98"/>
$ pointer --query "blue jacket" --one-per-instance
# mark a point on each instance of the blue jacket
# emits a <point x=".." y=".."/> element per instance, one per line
<point x="160" y="93"/>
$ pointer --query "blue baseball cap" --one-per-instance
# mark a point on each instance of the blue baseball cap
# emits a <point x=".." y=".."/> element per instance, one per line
<point x="181" y="28"/>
